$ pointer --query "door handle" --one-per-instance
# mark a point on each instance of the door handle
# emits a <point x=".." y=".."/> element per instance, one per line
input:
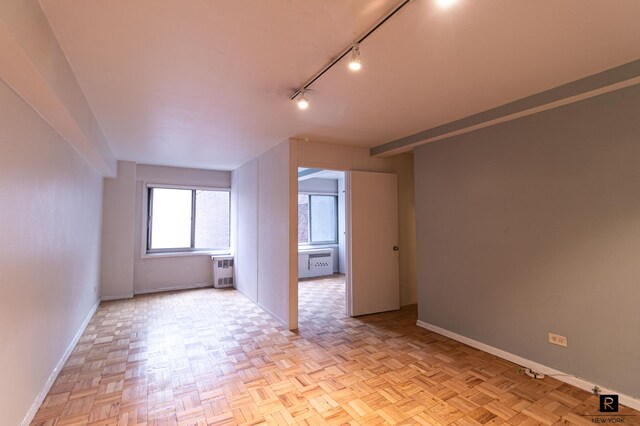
<point x="396" y="248"/>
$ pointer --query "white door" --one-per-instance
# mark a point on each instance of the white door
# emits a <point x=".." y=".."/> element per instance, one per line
<point x="373" y="243"/>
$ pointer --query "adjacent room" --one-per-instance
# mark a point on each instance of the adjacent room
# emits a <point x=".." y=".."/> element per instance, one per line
<point x="319" y="212"/>
<point x="322" y="261"/>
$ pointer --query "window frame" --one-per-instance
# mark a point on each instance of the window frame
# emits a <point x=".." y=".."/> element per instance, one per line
<point x="148" y="221"/>
<point x="320" y="243"/>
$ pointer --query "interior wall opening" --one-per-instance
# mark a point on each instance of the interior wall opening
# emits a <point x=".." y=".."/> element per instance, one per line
<point x="322" y="255"/>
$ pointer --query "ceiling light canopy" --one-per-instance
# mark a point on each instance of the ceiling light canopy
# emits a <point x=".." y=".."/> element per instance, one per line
<point x="354" y="63"/>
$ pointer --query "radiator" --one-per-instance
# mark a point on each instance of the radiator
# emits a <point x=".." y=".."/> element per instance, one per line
<point x="315" y="263"/>
<point x="222" y="271"/>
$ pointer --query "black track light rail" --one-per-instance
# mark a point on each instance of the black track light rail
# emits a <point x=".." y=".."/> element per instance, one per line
<point x="348" y="49"/>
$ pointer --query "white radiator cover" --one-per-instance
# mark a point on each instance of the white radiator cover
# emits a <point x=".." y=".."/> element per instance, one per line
<point x="315" y="263"/>
<point x="222" y="271"/>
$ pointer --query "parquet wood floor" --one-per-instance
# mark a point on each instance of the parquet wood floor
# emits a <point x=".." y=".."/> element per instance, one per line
<point x="211" y="357"/>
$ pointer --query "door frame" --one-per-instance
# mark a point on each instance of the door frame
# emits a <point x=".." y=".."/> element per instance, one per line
<point x="347" y="239"/>
<point x="348" y="297"/>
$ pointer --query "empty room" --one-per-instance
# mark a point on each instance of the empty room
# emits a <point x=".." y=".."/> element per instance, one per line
<point x="337" y="212"/>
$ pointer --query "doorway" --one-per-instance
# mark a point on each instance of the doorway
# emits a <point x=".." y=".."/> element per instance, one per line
<point x="322" y="253"/>
<point x="348" y="231"/>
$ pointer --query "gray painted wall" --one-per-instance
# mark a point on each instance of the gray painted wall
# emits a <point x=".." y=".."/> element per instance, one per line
<point x="533" y="226"/>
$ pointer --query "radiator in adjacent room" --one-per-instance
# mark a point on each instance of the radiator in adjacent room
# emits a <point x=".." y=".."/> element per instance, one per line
<point x="222" y="271"/>
<point x="315" y="263"/>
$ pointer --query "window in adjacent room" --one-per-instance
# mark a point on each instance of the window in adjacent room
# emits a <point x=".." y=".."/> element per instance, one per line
<point x="187" y="220"/>
<point x="317" y="219"/>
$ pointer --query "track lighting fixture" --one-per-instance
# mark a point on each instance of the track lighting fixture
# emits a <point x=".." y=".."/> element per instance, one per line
<point x="303" y="102"/>
<point x="354" y="48"/>
<point x="354" y="63"/>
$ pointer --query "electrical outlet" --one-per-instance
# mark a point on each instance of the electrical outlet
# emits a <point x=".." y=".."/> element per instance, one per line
<point x="557" y="339"/>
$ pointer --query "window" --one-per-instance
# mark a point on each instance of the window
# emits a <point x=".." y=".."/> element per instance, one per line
<point x="187" y="220"/>
<point x="317" y="219"/>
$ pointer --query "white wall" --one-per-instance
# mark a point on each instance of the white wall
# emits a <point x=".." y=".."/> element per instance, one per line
<point x="245" y="186"/>
<point x="270" y="180"/>
<point x="233" y="222"/>
<point x="118" y="225"/>
<point x="407" y="231"/>
<point x="276" y="172"/>
<point x="336" y="157"/>
<point x="160" y="273"/>
<point x="342" y="226"/>
<point x="126" y="268"/>
<point x="50" y="209"/>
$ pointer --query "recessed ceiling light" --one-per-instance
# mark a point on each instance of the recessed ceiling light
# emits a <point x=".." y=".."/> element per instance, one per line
<point x="354" y="63"/>
<point x="303" y="102"/>
<point x="445" y="3"/>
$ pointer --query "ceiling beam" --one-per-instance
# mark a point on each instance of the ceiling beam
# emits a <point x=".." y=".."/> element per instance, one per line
<point x="74" y="123"/>
<point x="597" y="84"/>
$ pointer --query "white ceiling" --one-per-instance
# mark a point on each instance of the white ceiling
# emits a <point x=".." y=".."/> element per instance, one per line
<point x="206" y="83"/>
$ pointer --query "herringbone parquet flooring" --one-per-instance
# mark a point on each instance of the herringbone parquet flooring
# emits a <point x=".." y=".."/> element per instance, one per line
<point x="211" y="357"/>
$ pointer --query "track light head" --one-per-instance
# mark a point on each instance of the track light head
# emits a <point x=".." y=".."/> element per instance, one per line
<point x="303" y="102"/>
<point x="354" y="63"/>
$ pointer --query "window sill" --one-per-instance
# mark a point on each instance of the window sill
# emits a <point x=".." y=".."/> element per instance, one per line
<point x="186" y="253"/>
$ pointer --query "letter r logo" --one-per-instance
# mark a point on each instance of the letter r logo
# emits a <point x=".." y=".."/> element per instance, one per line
<point x="608" y="403"/>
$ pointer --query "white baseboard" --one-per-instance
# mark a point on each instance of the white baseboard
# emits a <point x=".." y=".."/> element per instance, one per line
<point x="155" y="290"/>
<point x="182" y="287"/>
<point x="264" y="308"/>
<point x="108" y="298"/>
<point x="54" y="374"/>
<point x="245" y="294"/>
<point x="627" y="400"/>
<point x="274" y="316"/>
